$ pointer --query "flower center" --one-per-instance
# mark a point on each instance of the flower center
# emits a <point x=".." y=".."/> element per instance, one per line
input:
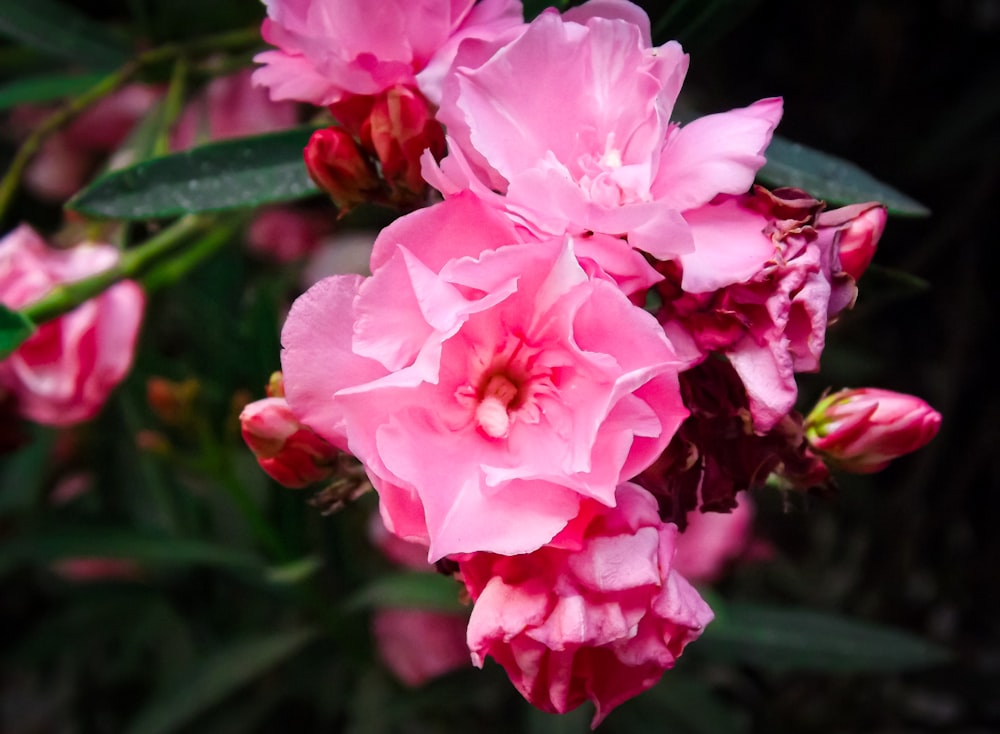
<point x="492" y="413"/>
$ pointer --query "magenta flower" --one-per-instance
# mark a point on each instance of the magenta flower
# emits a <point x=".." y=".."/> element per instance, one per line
<point x="861" y="227"/>
<point x="567" y="128"/>
<point x="862" y="430"/>
<point x="488" y="386"/>
<point x="66" y="370"/>
<point x="598" y="614"/>
<point x="288" y="451"/>
<point x="329" y="50"/>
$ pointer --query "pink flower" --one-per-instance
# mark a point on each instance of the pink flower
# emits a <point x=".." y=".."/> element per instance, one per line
<point x="230" y="107"/>
<point x="288" y="451"/>
<point x="863" y="429"/>
<point x="487" y="386"/>
<point x="418" y="645"/>
<point x="64" y="372"/>
<point x="712" y="540"/>
<point x="332" y="49"/>
<point x="598" y="614"/>
<point x="859" y="229"/>
<point x="760" y="287"/>
<point x="338" y="166"/>
<point x="285" y="234"/>
<point x="88" y="570"/>
<point x="567" y="128"/>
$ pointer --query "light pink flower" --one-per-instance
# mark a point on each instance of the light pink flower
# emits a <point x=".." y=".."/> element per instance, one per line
<point x="231" y="107"/>
<point x="418" y="645"/>
<point x="332" y="49"/>
<point x="285" y="233"/>
<point x="567" y="128"/>
<point x="599" y="614"/>
<point x="760" y="287"/>
<point x="291" y="453"/>
<point x="713" y="540"/>
<point x="863" y="429"/>
<point x="65" y="371"/>
<point x="487" y="386"/>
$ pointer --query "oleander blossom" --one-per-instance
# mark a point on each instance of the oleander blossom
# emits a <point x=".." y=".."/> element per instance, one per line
<point x="488" y="386"/>
<point x="567" y="128"/>
<point x="329" y="50"/>
<point x="599" y="614"/>
<point x="66" y="370"/>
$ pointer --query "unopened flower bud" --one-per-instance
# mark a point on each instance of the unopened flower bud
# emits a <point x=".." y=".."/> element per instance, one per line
<point x="291" y="453"/>
<point x="861" y="228"/>
<point x="275" y="385"/>
<point x="339" y="167"/>
<point x="172" y="402"/>
<point x="862" y="430"/>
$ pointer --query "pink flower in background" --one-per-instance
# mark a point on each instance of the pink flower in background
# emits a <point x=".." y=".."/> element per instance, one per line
<point x="332" y="49"/>
<point x="567" y="128"/>
<point x="230" y="107"/>
<point x="760" y="287"/>
<point x="70" y="156"/>
<point x="90" y="570"/>
<point x="863" y="429"/>
<point x="285" y="233"/>
<point x="291" y="453"/>
<point x="418" y="645"/>
<point x="487" y="386"/>
<point x="598" y="614"/>
<point x="713" y="540"/>
<point x="64" y="373"/>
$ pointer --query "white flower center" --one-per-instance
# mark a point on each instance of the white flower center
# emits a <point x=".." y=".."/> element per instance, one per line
<point x="492" y="412"/>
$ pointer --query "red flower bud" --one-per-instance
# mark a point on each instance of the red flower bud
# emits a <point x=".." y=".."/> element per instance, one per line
<point x="862" y="430"/>
<point x="291" y="453"/>
<point x="339" y="167"/>
<point x="860" y="228"/>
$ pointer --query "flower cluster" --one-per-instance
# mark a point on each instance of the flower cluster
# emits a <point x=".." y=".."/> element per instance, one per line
<point x="594" y="335"/>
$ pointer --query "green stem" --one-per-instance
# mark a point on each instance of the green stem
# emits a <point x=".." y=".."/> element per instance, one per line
<point x="172" y="104"/>
<point x="64" y="298"/>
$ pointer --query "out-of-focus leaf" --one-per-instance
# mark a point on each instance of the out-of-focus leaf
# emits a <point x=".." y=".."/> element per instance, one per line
<point x="680" y="705"/>
<point x="23" y="476"/>
<point x="417" y="590"/>
<point x="14" y="329"/>
<point x="45" y="88"/>
<point x="830" y="178"/>
<point x="294" y="572"/>
<point x="231" y="174"/>
<point x="144" y="548"/>
<point x="61" y="30"/>
<point x="576" y="721"/>
<point x="214" y="677"/>
<point x="794" y="639"/>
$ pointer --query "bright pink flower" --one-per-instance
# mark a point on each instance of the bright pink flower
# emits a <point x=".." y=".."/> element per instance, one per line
<point x="862" y="430"/>
<point x="285" y="234"/>
<point x="599" y="614"/>
<point x="713" y="540"/>
<point x="70" y="156"/>
<point x="230" y="107"/>
<point x="860" y="227"/>
<point x="487" y="386"/>
<point x="418" y="645"/>
<point x="288" y="451"/>
<point x="332" y="49"/>
<point x="64" y="373"/>
<point x="761" y="286"/>
<point x="567" y="128"/>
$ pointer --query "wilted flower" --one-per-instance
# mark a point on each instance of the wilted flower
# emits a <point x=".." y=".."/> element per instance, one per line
<point x="65" y="371"/>
<point x="863" y="429"/>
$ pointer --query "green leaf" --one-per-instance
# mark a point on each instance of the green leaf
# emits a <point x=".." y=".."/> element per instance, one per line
<point x="14" y="329"/>
<point x="231" y="174"/>
<point x="45" y="88"/>
<point x="147" y="549"/>
<point x="830" y="178"/>
<point x="415" y="589"/>
<point x="61" y="30"/>
<point x="213" y="678"/>
<point x="778" y="638"/>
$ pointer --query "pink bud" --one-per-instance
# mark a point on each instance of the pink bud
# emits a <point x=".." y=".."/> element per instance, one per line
<point x="862" y="430"/>
<point x="338" y="166"/>
<point x="288" y="451"/>
<point x="859" y="235"/>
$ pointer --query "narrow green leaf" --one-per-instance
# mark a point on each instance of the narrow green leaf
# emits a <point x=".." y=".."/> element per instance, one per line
<point x="14" y="329"/>
<point x="145" y="548"/>
<point x="213" y="678"/>
<point x="231" y="174"/>
<point x="416" y="589"/>
<point x="61" y="30"/>
<point x="294" y="572"/>
<point x="778" y="638"/>
<point x="830" y="178"/>
<point x="45" y="88"/>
